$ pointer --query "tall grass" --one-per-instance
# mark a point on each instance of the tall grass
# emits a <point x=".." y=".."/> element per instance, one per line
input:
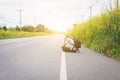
<point x="16" y="34"/>
<point x="101" y="33"/>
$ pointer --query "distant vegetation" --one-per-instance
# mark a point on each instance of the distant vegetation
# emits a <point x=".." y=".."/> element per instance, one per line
<point x="25" y="31"/>
<point x="101" y="32"/>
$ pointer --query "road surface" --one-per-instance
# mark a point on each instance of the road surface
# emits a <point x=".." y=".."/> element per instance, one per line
<point x="41" y="58"/>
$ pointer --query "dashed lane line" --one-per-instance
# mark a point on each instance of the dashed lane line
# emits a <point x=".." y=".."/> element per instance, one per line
<point x="63" y="72"/>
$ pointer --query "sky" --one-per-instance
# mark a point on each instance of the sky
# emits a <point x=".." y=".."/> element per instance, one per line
<point x="55" y="14"/>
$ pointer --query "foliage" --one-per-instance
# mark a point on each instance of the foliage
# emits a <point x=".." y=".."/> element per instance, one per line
<point x="17" y="28"/>
<point x="40" y="28"/>
<point x="4" y="28"/>
<point x="101" y="33"/>
<point x="0" y="28"/>
<point x="28" y="28"/>
<point x="25" y="31"/>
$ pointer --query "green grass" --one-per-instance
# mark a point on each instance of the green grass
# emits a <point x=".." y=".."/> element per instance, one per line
<point x="117" y="58"/>
<point x="117" y="52"/>
<point x="16" y="34"/>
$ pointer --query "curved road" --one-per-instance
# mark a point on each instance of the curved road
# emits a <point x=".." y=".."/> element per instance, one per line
<point x="40" y="58"/>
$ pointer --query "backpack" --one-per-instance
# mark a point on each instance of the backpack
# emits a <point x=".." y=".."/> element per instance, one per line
<point x="66" y="49"/>
<point x="77" y="43"/>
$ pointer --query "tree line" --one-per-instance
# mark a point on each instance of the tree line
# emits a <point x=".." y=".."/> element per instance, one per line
<point x="27" y="28"/>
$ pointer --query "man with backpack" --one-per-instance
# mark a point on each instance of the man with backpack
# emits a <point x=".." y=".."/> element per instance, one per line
<point x="71" y="44"/>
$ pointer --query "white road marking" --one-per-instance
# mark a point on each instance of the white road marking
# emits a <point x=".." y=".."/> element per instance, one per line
<point x="63" y="72"/>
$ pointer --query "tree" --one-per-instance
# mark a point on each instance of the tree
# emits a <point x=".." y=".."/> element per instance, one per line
<point x="17" y="28"/>
<point x="4" y="28"/>
<point x="28" y="28"/>
<point x="0" y="27"/>
<point x="40" y="28"/>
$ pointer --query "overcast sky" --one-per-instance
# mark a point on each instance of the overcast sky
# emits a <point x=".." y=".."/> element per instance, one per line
<point x="55" y="14"/>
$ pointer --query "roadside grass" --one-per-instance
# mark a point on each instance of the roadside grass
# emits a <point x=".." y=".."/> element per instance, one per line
<point x="16" y="34"/>
<point x="117" y="57"/>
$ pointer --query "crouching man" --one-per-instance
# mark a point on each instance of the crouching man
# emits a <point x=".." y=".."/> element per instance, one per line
<point x="69" y="45"/>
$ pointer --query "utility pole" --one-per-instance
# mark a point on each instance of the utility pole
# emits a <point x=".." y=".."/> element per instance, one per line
<point x="91" y="8"/>
<point x="20" y="11"/>
<point x="90" y="11"/>
<point x="34" y="23"/>
<point x="82" y="18"/>
<point x="110" y="4"/>
<point x="117" y="3"/>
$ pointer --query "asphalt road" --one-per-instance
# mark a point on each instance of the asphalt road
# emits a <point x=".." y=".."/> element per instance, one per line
<point x="39" y="58"/>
